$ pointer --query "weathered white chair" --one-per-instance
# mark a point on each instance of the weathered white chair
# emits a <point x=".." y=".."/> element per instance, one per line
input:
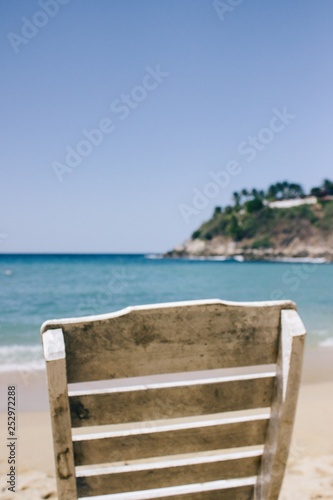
<point x="170" y="436"/>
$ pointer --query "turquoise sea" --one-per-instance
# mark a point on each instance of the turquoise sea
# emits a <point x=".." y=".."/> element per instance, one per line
<point x="34" y="288"/>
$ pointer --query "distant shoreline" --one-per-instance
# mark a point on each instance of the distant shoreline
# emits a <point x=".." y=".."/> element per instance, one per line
<point x="241" y="258"/>
<point x="175" y="256"/>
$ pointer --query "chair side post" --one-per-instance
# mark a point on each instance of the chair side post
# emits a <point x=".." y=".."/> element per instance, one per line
<point x="289" y="367"/>
<point x="55" y="356"/>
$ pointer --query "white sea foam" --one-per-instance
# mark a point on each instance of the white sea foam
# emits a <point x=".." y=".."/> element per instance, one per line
<point x="327" y="342"/>
<point x="300" y="260"/>
<point x="201" y="257"/>
<point x="222" y="258"/>
<point x="239" y="258"/>
<point x="23" y="367"/>
<point x="219" y="258"/>
<point x="154" y="256"/>
<point x="21" y="357"/>
<point x="321" y="333"/>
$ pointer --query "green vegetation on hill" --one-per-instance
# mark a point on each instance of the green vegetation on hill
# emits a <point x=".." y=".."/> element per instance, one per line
<point x="250" y="218"/>
<point x="283" y="191"/>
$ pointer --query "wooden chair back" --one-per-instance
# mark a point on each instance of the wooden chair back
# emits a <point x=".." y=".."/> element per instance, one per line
<point x="199" y="403"/>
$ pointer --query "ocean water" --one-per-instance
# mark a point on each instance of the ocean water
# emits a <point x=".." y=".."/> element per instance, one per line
<point x="35" y="288"/>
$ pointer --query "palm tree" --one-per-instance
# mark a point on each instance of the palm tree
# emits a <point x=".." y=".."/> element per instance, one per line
<point x="295" y="191"/>
<point x="316" y="191"/>
<point x="284" y="190"/>
<point x="328" y="186"/>
<point x="272" y="192"/>
<point x="237" y="198"/>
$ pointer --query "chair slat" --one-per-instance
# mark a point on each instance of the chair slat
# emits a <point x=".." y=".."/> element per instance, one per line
<point x="147" y="341"/>
<point x="246" y="392"/>
<point x="230" y="489"/>
<point x="173" y="474"/>
<point x="146" y="442"/>
<point x="241" y="493"/>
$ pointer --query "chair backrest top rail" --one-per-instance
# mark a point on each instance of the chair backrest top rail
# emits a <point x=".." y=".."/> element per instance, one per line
<point x="283" y="304"/>
<point x="150" y="341"/>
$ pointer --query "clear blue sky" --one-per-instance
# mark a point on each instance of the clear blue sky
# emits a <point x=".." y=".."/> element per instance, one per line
<point x="223" y="74"/>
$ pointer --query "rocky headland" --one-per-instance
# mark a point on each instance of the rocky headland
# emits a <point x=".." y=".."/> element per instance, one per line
<point x="267" y="226"/>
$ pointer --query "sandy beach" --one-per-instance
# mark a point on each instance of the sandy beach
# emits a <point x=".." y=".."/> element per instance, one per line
<point x="309" y="474"/>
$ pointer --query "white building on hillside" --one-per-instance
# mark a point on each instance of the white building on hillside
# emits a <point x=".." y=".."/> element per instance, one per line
<point x="309" y="200"/>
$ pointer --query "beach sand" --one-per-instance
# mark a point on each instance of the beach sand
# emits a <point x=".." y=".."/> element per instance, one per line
<point x="309" y="474"/>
